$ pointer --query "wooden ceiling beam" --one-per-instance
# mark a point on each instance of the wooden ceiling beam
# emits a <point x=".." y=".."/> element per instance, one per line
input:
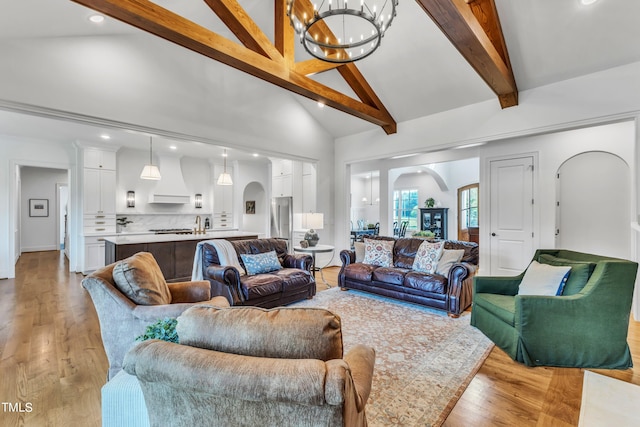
<point x="473" y="27"/>
<point x="150" y="17"/>
<point x="244" y="28"/>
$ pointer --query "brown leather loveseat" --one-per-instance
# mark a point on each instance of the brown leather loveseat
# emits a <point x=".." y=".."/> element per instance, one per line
<point x="292" y="282"/>
<point x="452" y="292"/>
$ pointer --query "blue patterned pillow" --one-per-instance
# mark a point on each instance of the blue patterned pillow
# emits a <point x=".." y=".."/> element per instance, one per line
<point x="260" y="263"/>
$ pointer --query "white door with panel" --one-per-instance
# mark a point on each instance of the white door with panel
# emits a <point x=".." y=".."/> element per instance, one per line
<point x="511" y="215"/>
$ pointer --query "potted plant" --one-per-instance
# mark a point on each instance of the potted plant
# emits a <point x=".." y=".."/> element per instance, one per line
<point x="430" y="202"/>
<point x="425" y="234"/>
<point x="163" y="329"/>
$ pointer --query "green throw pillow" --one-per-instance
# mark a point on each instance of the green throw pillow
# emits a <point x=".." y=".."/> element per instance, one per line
<point x="580" y="272"/>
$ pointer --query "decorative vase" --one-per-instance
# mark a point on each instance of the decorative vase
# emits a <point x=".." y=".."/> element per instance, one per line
<point x="311" y="237"/>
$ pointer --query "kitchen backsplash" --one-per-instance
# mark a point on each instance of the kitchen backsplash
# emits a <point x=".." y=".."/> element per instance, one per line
<point x="153" y="222"/>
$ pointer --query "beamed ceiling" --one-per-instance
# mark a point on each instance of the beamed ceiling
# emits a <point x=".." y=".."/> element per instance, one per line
<point x="472" y="26"/>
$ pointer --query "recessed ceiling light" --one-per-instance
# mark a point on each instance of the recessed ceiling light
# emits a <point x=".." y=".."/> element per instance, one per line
<point x="96" y="19"/>
<point x="173" y="147"/>
<point x="588" y="2"/>
<point x="105" y="136"/>
<point x="320" y="104"/>
<point x="402" y="156"/>
<point x="255" y="154"/>
<point x="475" y="144"/>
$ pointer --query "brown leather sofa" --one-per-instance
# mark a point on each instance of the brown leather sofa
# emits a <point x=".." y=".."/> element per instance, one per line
<point x="452" y="293"/>
<point x="292" y="283"/>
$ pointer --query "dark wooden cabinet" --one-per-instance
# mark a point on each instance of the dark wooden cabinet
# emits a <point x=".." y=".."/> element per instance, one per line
<point x="435" y="220"/>
<point x="175" y="258"/>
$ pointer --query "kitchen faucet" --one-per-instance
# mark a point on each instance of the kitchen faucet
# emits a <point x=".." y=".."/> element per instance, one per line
<point x="198" y="230"/>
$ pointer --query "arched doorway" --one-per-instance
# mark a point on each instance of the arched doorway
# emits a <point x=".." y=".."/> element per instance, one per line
<point x="593" y="204"/>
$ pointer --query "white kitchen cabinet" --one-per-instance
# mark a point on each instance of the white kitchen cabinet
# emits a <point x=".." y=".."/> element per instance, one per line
<point x="282" y="186"/>
<point x="93" y="253"/>
<point x="99" y="159"/>
<point x="281" y="167"/>
<point x="99" y="191"/>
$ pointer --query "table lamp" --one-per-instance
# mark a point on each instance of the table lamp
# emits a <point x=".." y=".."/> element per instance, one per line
<point x="313" y="222"/>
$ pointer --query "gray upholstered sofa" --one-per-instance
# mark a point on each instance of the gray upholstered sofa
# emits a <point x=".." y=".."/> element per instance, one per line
<point x="126" y="309"/>
<point x="247" y="366"/>
<point x="451" y="292"/>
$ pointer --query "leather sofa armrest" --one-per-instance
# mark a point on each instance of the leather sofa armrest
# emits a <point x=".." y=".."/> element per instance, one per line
<point x="460" y="287"/>
<point x="225" y="276"/>
<point x="347" y="256"/>
<point x="301" y="261"/>
<point x="195" y="291"/>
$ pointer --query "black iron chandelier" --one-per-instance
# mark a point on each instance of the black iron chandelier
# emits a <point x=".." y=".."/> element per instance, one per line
<point x="334" y="31"/>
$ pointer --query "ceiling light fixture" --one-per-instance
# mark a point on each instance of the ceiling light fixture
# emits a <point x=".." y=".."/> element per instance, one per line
<point x="225" y="178"/>
<point x="96" y="19"/>
<point x="105" y="137"/>
<point x="588" y="2"/>
<point x="150" y="171"/>
<point x="334" y="32"/>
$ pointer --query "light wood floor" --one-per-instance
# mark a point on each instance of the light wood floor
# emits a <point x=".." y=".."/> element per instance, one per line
<point x="52" y="357"/>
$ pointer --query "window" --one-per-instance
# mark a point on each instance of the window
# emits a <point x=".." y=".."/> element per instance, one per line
<point x="468" y="205"/>
<point x="405" y="208"/>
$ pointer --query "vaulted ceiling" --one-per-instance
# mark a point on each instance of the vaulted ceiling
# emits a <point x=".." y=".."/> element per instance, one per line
<point x="417" y="71"/>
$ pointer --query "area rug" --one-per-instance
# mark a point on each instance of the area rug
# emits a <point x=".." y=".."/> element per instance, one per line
<point x="608" y="402"/>
<point x="424" y="359"/>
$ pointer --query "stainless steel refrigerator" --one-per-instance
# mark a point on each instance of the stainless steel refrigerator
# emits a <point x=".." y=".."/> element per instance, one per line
<point x="282" y="219"/>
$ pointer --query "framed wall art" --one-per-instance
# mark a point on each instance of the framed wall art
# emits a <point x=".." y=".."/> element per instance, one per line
<point x="250" y="207"/>
<point x="38" y="207"/>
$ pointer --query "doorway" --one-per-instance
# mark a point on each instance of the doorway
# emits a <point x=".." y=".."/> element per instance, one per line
<point x="593" y="205"/>
<point x="468" y="209"/>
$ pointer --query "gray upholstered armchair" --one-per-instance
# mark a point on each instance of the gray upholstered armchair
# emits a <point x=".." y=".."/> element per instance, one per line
<point x="248" y="366"/>
<point x="130" y="295"/>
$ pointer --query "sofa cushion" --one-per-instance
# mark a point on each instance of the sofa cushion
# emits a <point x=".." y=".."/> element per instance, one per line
<point x="580" y="272"/>
<point x="139" y="278"/>
<point x="543" y="279"/>
<point x="359" y="249"/>
<point x="502" y="306"/>
<point x="425" y="282"/>
<point x="293" y="278"/>
<point x="260" y="285"/>
<point x="446" y="261"/>
<point x="378" y="252"/>
<point x="360" y="271"/>
<point x="289" y="332"/>
<point x="261" y="263"/>
<point x="392" y="275"/>
<point x="427" y="256"/>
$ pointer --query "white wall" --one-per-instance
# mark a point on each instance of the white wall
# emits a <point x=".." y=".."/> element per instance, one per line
<point x="36" y="153"/>
<point x="553" y="150"/>
<point x="596" y="98"/>
<point x="39" y="233"/>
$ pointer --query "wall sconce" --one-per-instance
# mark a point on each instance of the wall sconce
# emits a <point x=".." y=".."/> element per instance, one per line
<point x="198" y="200"/>
<point x="131" y="199"/>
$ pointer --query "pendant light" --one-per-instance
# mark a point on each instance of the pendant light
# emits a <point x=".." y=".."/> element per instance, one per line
<point x="225" y="178"/>
<point x="150" y="171"/>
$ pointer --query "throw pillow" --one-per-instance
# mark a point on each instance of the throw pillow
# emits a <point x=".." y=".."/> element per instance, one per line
<point x="543" y="279"/>
<point x="427" y="256"/>
<point x="261" y="263"/>
<point x="448" y="258"/>
<point x="359" y="248"/>
<point x="378" y="252"/>
<point x="139" y="277"/>
<point x="580" y="272"/>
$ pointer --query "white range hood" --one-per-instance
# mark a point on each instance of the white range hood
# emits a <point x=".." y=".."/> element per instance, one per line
<point x="171" y="188"/>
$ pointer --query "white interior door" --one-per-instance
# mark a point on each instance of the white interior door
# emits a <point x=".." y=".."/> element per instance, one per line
<point x="594" y="205"/>
<point x="511" y="215"/>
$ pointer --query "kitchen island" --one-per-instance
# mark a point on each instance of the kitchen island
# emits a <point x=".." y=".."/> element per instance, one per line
<point x="173" y="252"/>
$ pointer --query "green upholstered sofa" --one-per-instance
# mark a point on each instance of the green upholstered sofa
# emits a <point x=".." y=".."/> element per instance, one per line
<point x="584" y="327"/>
